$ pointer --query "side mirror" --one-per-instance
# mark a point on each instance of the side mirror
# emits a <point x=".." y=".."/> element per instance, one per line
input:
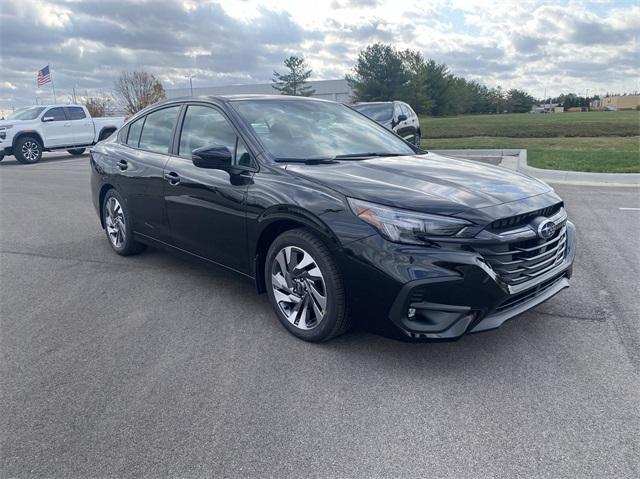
<point x="213" y="157"/>
<point x="402" y="118"/>
<point x="48" y="118"/>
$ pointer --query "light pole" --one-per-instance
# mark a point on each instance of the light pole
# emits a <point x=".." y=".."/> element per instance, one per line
<point x="190" y="77"/>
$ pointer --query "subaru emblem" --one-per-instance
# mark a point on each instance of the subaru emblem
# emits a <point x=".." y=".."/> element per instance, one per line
<point x="546" y="229"/>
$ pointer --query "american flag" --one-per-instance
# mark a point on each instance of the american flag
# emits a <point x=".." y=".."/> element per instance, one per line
<point x="44" y="76"/>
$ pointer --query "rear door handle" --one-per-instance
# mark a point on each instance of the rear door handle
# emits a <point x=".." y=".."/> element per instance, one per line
<point x="123" y="165"/>
<point x="172" y="177"/>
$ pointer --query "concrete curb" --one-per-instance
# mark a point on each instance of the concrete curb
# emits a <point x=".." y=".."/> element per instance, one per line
<point x="517" y="160"/>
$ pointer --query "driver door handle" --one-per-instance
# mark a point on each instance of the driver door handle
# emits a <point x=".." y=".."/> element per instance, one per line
<point x="123" y="165"/>
<point x="172" y="177"/>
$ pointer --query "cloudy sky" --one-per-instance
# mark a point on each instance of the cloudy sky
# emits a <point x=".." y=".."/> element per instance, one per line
<point x="559" y="46"/>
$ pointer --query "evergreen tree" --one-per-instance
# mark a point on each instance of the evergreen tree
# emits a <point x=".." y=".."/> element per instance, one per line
<point x="294" y="82"/>
<point x="379" y="74"/>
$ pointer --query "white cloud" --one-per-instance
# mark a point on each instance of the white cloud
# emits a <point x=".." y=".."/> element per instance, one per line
<point x="565" y="46"/>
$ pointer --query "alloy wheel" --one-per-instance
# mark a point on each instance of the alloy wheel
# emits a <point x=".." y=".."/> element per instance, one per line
<point x="114" y="221"/>
<point x="30" y="150"/>
<point x="298" y="287"/>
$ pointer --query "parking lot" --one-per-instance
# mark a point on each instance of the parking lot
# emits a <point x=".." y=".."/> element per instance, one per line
<point x="157" y="366"/>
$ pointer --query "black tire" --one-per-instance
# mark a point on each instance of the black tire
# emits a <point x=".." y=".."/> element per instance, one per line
<point x="28" y="150"/>
<point x="128" y="245"/>
<point x="1" y="157"/>
<point x="335" y="319"/>
<point x="76" y="151"/>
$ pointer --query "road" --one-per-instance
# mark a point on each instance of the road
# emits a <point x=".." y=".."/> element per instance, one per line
<point x="153" y="366"/>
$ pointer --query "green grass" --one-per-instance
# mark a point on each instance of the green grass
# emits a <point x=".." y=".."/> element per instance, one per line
<point x="604" y="142"/>
<point x="529" y="125"/>
<point x="600" y="154"/>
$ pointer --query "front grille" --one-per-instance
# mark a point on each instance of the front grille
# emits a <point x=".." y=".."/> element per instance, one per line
<point x="522" y="219"/>
<point x="529" y="294"/>
<point x="522" y="261"/>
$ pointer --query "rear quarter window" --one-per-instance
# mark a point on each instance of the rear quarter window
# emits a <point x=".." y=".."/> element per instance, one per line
<point x="134" y="130"/>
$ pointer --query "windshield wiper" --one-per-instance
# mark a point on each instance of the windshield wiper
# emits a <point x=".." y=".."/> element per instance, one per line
<point x="365" y="155"/>
<point x="352" y="156"/>
<point x="308" y="161"/>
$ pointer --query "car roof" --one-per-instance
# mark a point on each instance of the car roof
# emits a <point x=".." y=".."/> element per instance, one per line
<point x="54" y="105"/>
<point x="245" y="96"/>
<point x="376" y="102"/>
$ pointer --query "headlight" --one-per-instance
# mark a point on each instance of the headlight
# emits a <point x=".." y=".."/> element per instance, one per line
<point x="403" y="226"/>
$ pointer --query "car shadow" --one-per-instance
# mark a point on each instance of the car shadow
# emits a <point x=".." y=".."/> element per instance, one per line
<point x="10" y="161"/>
<point x="486" y="350"/>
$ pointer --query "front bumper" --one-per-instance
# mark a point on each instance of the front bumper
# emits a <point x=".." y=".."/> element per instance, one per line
<point x="444" y="293"/>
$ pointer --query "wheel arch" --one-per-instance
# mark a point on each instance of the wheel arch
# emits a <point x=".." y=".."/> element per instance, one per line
<point x="106" y="129"/>
<point x="276" y="221"/>
<point x="22" y="134"/>
<point x="103" y="192"/>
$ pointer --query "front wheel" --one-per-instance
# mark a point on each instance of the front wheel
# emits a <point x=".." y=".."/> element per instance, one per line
<point x="305" y="286"/>
<point x="117" y="224"/>
<point x="28" y="150"/>
<point x="76" y="151"/>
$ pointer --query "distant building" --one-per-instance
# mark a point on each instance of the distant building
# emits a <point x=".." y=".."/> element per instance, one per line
<point x="336" y="90"/>
<point x="547" y="108"/>
<point x="618" y="102"/>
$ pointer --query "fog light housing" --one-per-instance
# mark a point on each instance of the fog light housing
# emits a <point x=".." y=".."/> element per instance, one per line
<point x="411" y="313"/>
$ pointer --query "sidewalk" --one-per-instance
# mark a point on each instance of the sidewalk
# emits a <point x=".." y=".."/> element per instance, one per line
<point x="517" y="160"/>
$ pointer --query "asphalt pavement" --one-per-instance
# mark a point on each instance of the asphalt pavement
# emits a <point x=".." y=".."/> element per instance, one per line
<point x="154" y="366"/>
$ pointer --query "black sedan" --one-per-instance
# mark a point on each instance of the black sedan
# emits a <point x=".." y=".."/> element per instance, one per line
<point x="335" y="217"/>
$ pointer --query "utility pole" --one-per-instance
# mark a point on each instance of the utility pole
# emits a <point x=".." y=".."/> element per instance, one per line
<point x="586" y="99"/>
<point x="190" y="77"/>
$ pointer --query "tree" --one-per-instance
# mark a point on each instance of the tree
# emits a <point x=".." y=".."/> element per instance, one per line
<point x="383" y="73"/>
<point x="519" y="101"/>
<point x="137" y="90"/>
<point x="97" y="105"/>
<point x="437" y="86"/>
<point x="414" y="91"/>
<point x="294" y="82"/>
<point x="379" y="74"/>
<point x="497" y="100"/>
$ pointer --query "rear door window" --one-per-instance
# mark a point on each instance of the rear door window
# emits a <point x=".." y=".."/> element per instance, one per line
<point x="75" y="113"/>
<point x="157" y="130"/>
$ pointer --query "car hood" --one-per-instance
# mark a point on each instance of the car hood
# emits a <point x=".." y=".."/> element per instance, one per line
<point x="429" y="183"/>
<point x="14" y="122"/>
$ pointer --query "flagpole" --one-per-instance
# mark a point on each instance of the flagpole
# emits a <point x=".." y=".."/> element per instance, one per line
<point x="52" y="87"/>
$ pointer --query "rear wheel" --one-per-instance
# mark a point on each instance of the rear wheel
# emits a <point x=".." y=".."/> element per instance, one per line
<point x="305" y="286"/>
<point x="76" y="151"/>
<point x="28" y="150"/>
<point x="117" y="225"/>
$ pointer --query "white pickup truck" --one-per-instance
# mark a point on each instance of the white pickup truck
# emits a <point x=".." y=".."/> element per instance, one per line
<point x="26" y="133"/>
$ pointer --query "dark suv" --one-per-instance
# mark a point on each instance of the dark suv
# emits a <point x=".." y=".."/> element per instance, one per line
<point x="396" y="116"/>
<point x="335" y="217"/>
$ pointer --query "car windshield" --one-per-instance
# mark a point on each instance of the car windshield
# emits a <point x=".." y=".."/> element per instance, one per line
<point x="376" y="111"/>
<point x="310" y="129"/>
<point x="26" y="114"/>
